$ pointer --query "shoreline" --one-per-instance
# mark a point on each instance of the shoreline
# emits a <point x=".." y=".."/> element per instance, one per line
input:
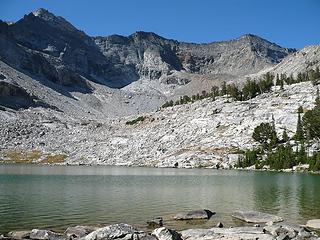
<point x="165" y="167"/>
<point x="123" y="231"/>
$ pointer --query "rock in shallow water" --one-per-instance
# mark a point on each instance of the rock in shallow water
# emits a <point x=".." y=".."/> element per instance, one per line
<point x="314" y="223"/>
<point x="256" y="217"/>
<point x="198" y="214"/>
<point x="156" y="222"/>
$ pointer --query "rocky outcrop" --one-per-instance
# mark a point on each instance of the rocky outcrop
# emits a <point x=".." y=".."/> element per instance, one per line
<point x="192" y="215"/>
<point x="256" y="217"/>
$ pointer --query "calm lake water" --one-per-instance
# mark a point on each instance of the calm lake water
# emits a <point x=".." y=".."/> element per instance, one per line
<point x="55" y="197"/>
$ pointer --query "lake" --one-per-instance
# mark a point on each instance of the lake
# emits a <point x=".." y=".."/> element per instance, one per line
<point x="54" y="197"/>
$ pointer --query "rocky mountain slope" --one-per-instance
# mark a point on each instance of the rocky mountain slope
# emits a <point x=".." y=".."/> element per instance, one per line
<point x="205" y="133"/>
<point x="64" y="60"/>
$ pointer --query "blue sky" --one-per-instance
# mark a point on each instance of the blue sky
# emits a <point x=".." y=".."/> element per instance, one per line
<point x="289" y="23"/>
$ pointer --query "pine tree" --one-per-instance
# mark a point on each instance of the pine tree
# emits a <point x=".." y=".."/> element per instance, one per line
<point x="223" y="88"/>
<point x="317" y="101"/>
<point x="265" y="134"/>
<point x="299" y="136"/>
<point x="285" y="137"/>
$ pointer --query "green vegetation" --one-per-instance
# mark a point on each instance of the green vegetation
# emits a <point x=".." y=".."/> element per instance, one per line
<point x="251" y="88"/>
<point x="265" y="134"/>
<point x="134" y="121"/>
<point x="284" y="154"/>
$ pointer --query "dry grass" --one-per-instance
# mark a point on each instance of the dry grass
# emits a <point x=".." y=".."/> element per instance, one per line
<point x="22" y="157"/>
<point x="51" y="159"/>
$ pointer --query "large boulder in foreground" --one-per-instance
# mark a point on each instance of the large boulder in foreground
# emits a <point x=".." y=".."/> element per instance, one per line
<point x="78" y="231"/>
<point x="166" y="234"/>
<point x="285" y="230"/>
<point x="192" y="215"/>
<point x="314" y="223"/>
<point x="256" y="217"/>
<point x="18" y="235"/>
<point x="45" y="235"/>
<point x="237" y="233"/>
<point x="110" y="232"/>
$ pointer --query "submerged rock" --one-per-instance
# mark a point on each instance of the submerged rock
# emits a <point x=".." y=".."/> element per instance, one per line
<point x="156" y="222"/>
<point x="166" y="234"/>
<point x="314" y="223"/>
<point x="197" y="214"/>
<point x="256" y="217"/>
<point x="119" y="231"/>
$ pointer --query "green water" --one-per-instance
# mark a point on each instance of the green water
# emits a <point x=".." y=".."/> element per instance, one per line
<point x="55" y="197"/>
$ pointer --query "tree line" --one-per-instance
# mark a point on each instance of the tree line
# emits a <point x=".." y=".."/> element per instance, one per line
<point x="251" y="88"/>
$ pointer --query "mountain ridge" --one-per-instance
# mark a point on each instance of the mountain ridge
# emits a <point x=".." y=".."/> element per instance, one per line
<point x="116" y="74"/>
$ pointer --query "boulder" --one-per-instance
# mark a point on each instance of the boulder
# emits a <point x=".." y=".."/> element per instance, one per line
<point x="237" y="233"/>
<point x="45" y="235"/>
<point x="256" y="217"/>
<point x="2" y="237"/>
<point x="314" y="223"/>
<point x="166" y="234"/>
<point x="120" y="231"/>
<point x="79" y="231"/>
<point x="287" y="231"/>
<point x="219" y="225"/>
<point x="197" y="214"/>
<point x="19" y="235"/>
<point x="156" y="222"/>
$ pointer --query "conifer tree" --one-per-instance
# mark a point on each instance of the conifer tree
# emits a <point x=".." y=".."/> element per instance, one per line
<point x="299" y="136"/>
<point x="285" y="137"/>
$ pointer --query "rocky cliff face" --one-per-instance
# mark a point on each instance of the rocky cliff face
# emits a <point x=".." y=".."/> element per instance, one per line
<point x="152" y="56"/>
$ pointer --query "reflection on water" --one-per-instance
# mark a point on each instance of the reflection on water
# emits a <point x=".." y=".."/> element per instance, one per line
<point x="57" y="197"/>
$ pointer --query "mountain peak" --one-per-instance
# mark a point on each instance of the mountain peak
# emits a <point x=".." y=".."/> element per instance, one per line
<point x="43" y="13"/>
<point x="145" y="35"/>
<point x="252" y="37"/>
<point x="54" y="20"/>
